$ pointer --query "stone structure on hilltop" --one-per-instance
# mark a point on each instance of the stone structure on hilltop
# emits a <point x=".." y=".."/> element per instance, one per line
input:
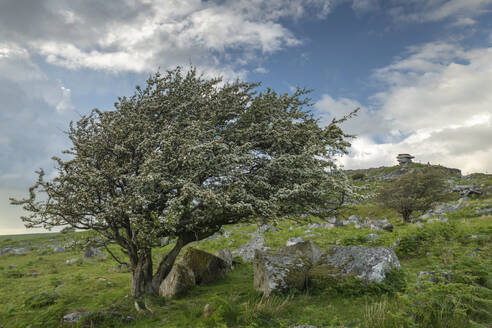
<point x="404" y="159"/>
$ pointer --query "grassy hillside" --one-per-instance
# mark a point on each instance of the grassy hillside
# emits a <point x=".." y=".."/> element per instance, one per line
<point x="38" y="288"/>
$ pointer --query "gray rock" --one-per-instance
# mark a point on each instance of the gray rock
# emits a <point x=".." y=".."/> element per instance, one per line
<point x="484" y="211"/>
<point x="59" y="249"/>
<point x="287" y="268"/>
<point x="435" y="276"/>
<point x="213" y="237"/>
<point x="180" y="279"/>
<point x="247" y="251"/>
<point x="353" y="219"/>
<point x="329" y="226"/>
<point x="388" y="227"/>
<point x="368" y="264"/>
<point x="335" y="221"/>
<point x="228" y="234"/>
<point x="372" y="236"/>
<point x="315" y="225"/>
<point x="11" y="266"/>
<point x="74" y="317"/>
<point x="226" y="256"/>
<point x="293" y="241"/>
<point x="266" y="228"/>
<point x="438" y="219"/>
<point x="72" y="261"/>
<point x="196" y="267"/>
<point x="15" y="251"/>
<point x="91" y="252"/>
<point x="205" y="266"/>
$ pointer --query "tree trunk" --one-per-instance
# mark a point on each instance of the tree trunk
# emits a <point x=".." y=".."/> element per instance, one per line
<point x="142" y="273"/>
<point x="166" y="265"/>
<point x="406" y="216"/>
<point x="168" y="260"/>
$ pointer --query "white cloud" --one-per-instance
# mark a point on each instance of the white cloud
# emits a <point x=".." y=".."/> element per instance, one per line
<point x="141" y="36"/>
<point x="437" y="10"/>
<point x="435" y="104"/>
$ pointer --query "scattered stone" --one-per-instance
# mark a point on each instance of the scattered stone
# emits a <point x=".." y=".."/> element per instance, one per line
<point x="372" y="236"/>
<point x="335" y="221"/>
<point x="484" y="211"/>
<point x="291" y="228"/>
<point x="329" y="226"/>
<point x="93" y="252"/>
<point x="438" y="219"/>
<point x="293" y="241"/>
<point x="11" y="266"/>
<point x="315" y="225"/>
<point x="59" y="249"/>
<point x="208" y="311"/>
<point x="228" y="234"/>
<point x="213" y="237"/>
<point x="388" y="227"/>
<point x="466" y="190"/>
<point x="435" y="276"/>
<point x="266" y="228"/>
<point x="72" y="261"/>
<point x="287" y="268"/>
<point x="247" y="251"/>
<point x="74" y="317"/>
<point x="368" y="264"/>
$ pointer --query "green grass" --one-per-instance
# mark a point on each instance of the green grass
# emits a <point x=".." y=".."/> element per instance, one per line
<point x="38" y="288"/>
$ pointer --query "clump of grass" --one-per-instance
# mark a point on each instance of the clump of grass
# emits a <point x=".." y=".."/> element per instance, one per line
<point x="40" y="300"/>
<point x="382" y="314"/>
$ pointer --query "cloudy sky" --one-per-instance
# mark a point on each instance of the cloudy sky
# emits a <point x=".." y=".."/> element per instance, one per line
<point x="420" y="70"/>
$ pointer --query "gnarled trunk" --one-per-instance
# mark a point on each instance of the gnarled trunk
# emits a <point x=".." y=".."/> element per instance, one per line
<point x="142" y="273"/>
<point x="166" y="265"/>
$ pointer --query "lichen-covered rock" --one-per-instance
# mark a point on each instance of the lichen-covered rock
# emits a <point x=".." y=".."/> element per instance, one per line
<point x="205" y="266"/>
<point x="247" y="251"/>
<point x="367" y="263"/>
<point x="226" y="256"/>
<point x="293" y="241"/>
<point x="287" y="268"/>
<point x="75" y="317"/>
<point x="180" y="279"/>
<point x="306" y="249"/>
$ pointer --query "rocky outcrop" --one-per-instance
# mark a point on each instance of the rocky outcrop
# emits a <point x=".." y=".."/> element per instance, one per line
<point x="287" y="268"/>
<point x="368" y="264"/>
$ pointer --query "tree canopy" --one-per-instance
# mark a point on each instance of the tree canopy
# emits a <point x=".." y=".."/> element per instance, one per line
<point x="184" y="156"/>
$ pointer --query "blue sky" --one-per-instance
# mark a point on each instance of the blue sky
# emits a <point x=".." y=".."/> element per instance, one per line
<point x="421" y="71"/>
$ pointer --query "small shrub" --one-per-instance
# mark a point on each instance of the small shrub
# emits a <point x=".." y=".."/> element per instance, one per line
<point x="358" y="176"/>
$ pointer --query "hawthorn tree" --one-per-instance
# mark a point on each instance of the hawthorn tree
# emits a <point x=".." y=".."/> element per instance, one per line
<point x="415" y="190"/>
<point x="183" y="157"/>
